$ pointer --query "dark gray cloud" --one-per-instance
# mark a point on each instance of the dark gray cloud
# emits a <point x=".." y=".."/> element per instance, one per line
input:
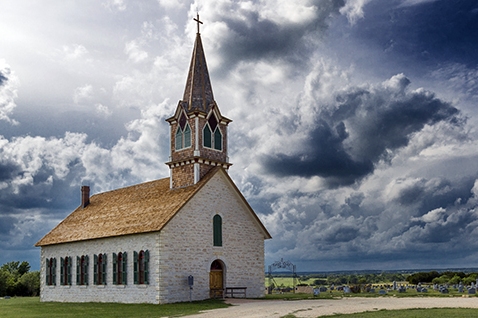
<point x="251" y="36"/>
<point x="363" y="127"/>
<point x="429" y="33"/>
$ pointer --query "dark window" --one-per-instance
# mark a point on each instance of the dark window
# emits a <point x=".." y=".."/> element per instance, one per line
<point x="82" y="270"/>
<point x="99" y="273"/>
<point x="51" y="271"/>
<point x="119" y="268"/>
<point x="141" y="267"/>
<point x="212" y="136"/>
<point x="207" y="135"/>
<point x="179" y="138"/>
<point x="217" y="139"/>
<point x="183" y="137"/>
<point x="187" y="137"/>
<point x="65" y="270"/>
<point x="217" y="230"/>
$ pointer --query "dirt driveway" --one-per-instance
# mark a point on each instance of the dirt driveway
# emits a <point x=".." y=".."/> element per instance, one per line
<point x="243" y="308"/>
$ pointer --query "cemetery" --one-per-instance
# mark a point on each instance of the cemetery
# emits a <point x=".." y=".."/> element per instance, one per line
<point x="283" y="281"/>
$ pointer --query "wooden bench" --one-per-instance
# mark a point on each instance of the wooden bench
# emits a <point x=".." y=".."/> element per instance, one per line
<point x="231" y="291"/>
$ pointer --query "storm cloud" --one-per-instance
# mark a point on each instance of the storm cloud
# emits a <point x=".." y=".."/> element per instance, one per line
<point x="364" y="126"/>
<point x="349" y="163"/>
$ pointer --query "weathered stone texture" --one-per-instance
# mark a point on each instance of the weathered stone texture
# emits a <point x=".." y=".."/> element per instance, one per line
<point x="129" y="293"/>
<point x="188" y="244"/>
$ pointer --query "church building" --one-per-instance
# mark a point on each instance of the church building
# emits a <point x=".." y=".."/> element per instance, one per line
<point x="191" y="236"/>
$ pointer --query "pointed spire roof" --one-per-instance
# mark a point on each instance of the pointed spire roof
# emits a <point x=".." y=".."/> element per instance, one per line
<point x="198" y="94"/>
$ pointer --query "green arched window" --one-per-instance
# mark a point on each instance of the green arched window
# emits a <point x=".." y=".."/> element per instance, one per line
<point x="183" y="137"/>
<point x="179" y="138"/>
<point x="207" y="135"/>
<point x="217" y="139"/>
<point x="217" y="230"/>
<point x="187" y="136"/>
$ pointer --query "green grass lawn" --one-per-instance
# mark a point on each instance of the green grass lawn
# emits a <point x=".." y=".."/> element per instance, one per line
<point x="412" y="313"/>
<point x="26" y="307"/>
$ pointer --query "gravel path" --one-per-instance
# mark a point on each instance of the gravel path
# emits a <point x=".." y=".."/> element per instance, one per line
<point x="243" y="308"/>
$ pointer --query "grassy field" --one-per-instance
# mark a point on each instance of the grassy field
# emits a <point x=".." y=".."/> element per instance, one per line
<point x="412" y="313"/>
<point x="26" y="307"/>
<point x="31" y="307"/>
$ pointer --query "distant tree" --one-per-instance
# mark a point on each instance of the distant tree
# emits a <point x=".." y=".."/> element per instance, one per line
<point x="423" y="277"/>
<point x="15" y="280"/>
<point x="3" y="282"/>
<point x="29" y="284"/>
<point x="441" y="280"/>
<point x="455" y="280"/>
<point x="10" y="267"/>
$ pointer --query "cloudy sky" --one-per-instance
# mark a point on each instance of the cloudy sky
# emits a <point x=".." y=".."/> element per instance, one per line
<point x="354" y="133"/>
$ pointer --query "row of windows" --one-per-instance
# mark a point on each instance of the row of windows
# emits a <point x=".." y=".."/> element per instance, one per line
<point x="212" y="136"/>
<point x="100" y="261"/>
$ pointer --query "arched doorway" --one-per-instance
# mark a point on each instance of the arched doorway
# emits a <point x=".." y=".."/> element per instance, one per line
<point x="216" y="280"/>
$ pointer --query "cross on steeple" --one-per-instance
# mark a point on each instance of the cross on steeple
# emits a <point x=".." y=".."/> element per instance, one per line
<point x="198" y="22"/>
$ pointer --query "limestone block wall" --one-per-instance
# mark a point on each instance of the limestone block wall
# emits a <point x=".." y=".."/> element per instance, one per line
<point x="129" y="293"/>
<point x="187" y="247"/>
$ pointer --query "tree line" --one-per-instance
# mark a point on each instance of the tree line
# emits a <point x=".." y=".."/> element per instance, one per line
<point x="432" y="277"/>
<point x="17" y="280"/>
<point x="449" y="277"/>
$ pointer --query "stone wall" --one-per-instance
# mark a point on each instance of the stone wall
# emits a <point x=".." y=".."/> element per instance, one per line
<point x="129" y="293"/>
<point x="187" y="242"/>
<point x="184" y="247"/>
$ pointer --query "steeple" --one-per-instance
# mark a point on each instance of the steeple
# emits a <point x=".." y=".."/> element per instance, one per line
<point x="198" y="130"/>
<point x="198" y="94"/>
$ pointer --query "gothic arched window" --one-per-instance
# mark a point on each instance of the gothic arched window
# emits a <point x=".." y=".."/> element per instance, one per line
<point x="212" y="136"/>
<point x="182" y="138"/>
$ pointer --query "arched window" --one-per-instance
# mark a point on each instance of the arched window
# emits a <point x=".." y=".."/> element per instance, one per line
<point x="217" y="139"/>
<point x="187" y="136"/>
<point x="65" y="270"/>
<point x="207" y="136"/>
<point x="212" y="136"/>
<point x="82" y="270"/>
<point x="217" y="230"/>
<point x="179" y="138"/>
<point x="183" y="137"/>
<point x="141" y="267"/>
<point x="119" y="268"/>
<point x="51" y="271"/>
<point x="99" y="275"/>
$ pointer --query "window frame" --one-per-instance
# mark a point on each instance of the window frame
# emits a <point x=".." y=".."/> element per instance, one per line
<point x="141" y="267"/>
<point x="182" y="137"/>
<point x="99" y="272"/>
<point x="50" y="278"/>
<point x="65" y="271"/>
<point x="217" y="230"/>
<point x="82" y="270"/>
<point x="120" y="268"/>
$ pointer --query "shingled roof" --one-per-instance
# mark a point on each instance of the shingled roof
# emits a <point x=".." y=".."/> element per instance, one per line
<point x="142" y="208"/>
<point x="145" y="207"/>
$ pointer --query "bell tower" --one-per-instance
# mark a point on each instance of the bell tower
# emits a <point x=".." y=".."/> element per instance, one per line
<point x="197" y="128"/>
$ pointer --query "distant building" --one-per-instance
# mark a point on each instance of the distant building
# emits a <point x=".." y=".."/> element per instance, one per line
<point x="140" y="244"/>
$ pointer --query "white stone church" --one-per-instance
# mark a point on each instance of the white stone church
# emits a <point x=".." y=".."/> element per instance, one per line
<point x="140" y="244"/>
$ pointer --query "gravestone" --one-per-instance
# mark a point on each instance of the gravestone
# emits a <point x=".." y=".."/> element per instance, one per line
<point x="471" y="291"/>
<point x="347" y="289"/>
<point x="316" y="292"/>
<point x="382" y="292"/>
<point x="394" y="285"/>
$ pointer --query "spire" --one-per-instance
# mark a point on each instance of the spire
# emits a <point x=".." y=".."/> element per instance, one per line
<point x="198" y="94"/>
